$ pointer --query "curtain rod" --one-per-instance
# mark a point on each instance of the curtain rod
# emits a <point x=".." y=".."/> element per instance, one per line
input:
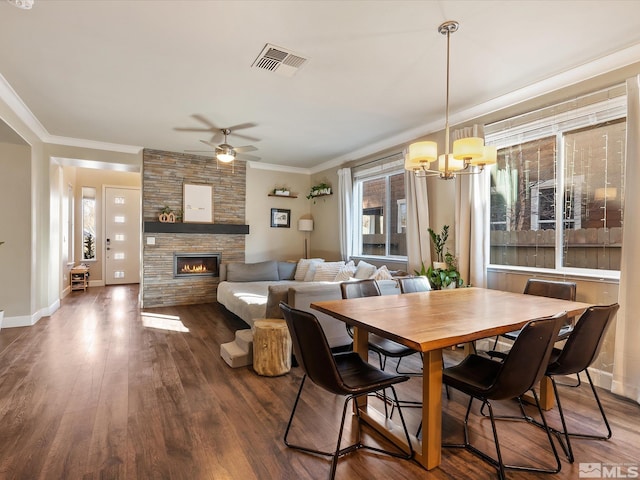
<point x="378" y="160"/>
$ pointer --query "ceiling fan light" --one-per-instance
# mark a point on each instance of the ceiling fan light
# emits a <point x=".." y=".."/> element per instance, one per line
<point x="468" y="148"/>
<point x="225" y="153"/>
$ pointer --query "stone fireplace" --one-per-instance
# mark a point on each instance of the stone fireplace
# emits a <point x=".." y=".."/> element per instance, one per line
<point x="196" y="264"/>
<point x="167" y="245"/>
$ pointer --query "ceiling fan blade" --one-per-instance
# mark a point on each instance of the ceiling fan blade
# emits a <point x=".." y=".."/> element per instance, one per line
<point x="209" y="143"/>
<point x="206" y="121"/>
<point x="185" y="129"/>
<point x="246" y="148"/>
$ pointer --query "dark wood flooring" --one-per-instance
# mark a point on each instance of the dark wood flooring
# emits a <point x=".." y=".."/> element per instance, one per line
<point x="101" y="390"/>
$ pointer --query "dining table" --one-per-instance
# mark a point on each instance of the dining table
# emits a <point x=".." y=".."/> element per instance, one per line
<point x="429" y="322"/>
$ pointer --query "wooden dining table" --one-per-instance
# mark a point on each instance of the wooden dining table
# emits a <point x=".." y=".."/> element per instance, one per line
<point x="428" y="322"/>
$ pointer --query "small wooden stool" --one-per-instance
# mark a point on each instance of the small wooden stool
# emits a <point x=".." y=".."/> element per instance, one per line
<point x="271" y="347"/>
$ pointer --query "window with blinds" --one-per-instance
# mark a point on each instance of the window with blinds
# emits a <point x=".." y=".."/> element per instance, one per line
<point x="381" y="208"/>
<point x="557" y="190"/>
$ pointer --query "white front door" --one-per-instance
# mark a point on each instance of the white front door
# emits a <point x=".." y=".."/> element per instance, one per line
<point x="122" y="235"/>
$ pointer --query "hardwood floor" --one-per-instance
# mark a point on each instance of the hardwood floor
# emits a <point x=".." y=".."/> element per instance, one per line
<point x="103" y="390"/>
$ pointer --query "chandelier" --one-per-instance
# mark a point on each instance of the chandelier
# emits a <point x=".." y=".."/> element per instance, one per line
<point x="470" y="155"/>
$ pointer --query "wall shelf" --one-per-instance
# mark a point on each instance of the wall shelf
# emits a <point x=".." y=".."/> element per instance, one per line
<point x="211" y="228"/>
<point x="282" y="196"/>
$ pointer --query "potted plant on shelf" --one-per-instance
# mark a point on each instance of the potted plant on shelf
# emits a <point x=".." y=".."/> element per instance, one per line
<point x="439" y="241"/>
<point x="282" y="191"/>
<point x="320" y="189"/>
<point x="447" y="277"/>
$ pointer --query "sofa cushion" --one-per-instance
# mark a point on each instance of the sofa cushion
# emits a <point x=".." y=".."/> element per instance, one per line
<point x="303" y="267"/>
<point x="286" y="270"/>
<point x="252" y="272"/>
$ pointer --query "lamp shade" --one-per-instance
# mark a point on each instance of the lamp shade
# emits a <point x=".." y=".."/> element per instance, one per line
<point x="305" y="225"/>
<point x="420" y="155"/>
<point x="454" y="165"/>
<point x="489" y="157"/>
<point x="468" y="148"/>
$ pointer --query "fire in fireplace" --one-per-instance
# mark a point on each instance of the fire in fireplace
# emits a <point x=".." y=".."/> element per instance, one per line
<point x="196" y="264"/>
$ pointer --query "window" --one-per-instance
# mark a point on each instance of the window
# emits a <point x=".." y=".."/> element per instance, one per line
<point x="88" y="223"/>
<point x="557" y="189"/>
<point x="381" y="204"/>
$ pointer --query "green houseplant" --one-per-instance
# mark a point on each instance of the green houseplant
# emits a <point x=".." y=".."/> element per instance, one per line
<point x="319" y="189"/>
<point x="447" y="277"/>
<point x="439" y="240"/>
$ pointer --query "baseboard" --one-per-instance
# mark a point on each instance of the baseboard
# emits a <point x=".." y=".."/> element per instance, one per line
<point x="30" y="320"/>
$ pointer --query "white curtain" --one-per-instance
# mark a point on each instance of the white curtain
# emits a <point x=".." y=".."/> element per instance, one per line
<point x="626" y="360"/>
<point x="345" y="213"/>
<point x="418" y="246"/>
<point x="472" y="220"/>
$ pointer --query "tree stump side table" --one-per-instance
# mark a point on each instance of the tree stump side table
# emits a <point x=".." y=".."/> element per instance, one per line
<point x="271" y="347"/>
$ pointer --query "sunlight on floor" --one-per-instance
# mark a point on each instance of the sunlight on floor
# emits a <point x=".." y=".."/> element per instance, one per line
<point x="163" y="322"/>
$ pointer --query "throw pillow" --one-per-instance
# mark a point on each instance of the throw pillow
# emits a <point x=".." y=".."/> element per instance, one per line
<point x="364" y="270"/>
<point x="382" y="273"/>
<point x="252" y="272"/>
<point x="308" y="277"/>
<point x="345" y="273"/>
<point x="327" y="271"/>
<point x="286" y="270"/>
<point x="303" y="266"/>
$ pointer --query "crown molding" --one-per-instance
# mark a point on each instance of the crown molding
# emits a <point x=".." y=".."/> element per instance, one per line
<point x="278" y="168"/>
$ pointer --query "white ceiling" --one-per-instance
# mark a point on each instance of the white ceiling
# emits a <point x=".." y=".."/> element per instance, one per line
<point x="131" y="72"/>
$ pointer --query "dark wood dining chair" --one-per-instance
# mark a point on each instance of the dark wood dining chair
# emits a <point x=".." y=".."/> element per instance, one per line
<point x="562" y="290"/>
<point x="487" y="380"/>
<point x="579" y="352"/>
<point x="414" y="284"/>
<point x="384" y="347"/>
<point x="345" y="374"/>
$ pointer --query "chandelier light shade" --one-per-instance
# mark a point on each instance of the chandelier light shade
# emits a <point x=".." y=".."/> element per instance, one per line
<point x="470" y="155"/>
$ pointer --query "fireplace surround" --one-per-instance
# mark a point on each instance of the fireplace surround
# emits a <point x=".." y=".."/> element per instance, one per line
<point x="196" y="264"/>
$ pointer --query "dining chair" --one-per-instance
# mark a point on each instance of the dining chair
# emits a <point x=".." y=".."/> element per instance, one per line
<point x="579" y="352"/>
<point x="345" y="374"/>
<point x="562" y="290"/>
<point x="384" y="347"/>
<point x="414" y="284"/>
<point x="487" y="380"/>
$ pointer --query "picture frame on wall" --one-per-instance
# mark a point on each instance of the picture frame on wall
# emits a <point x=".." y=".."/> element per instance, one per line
<point x="280" y="218"/>
<point x="197" y="203"/>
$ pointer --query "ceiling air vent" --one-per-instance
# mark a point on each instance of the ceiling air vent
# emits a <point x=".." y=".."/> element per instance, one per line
<point x="279" y="60"/>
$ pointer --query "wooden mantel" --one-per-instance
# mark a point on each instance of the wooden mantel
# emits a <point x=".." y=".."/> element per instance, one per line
<point x="211" y="228"/>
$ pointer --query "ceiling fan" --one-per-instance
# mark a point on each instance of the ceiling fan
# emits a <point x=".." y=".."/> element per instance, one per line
<point x="224" y="152"/>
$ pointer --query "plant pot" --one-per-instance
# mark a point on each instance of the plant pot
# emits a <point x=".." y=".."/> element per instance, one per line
<point x="440" y="265"/>
<point x="283" y="193"/>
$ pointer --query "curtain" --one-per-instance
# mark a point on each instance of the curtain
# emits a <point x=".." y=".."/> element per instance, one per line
<point x="345" y="213"/>
<point x="626" y="359"/>
<point x="418" y="246"/>
<point x="472" y="219"/>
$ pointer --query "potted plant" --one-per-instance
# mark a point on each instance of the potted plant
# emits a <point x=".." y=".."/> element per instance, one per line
<point x="320" y="189"/>
<point x="283" y="191"/>
<point x="447" y="277"/>
<point x="439" y="241"/>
